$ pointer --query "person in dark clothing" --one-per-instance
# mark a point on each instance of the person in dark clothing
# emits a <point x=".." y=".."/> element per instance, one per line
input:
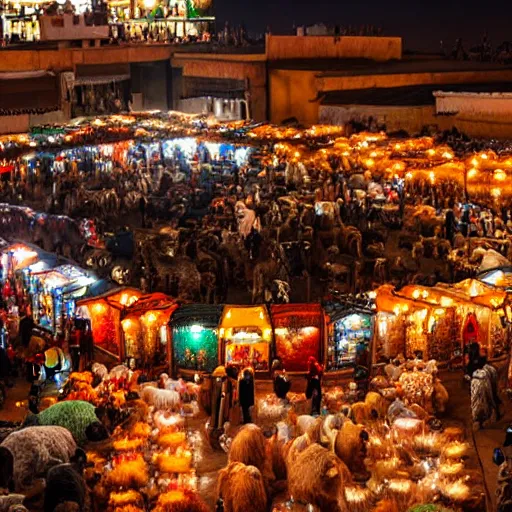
<point x="246" y="394"/>
<point x="282" y="384"/>
<point x="450" y="226"/>
<point x="26" y="326"/>
<point x="142" y="210"/>
<point x="314" y="388"/>
<point x="473" y="358"/>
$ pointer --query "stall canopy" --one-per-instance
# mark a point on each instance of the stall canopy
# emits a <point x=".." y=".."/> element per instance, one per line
<point x="246" y="332"/>
<point x="194" y="336"/>
<point x="297" y="331"/>
<point x="495" y="270"/>
<point x="30" y="92"/>
<point x="145" y="327"/>
<point x="20" y="256"/>
<point x="349" y="332"/>
<point x="104" y="313"/>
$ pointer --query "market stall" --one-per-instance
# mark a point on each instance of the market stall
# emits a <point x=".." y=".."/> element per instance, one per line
<point x="245" y="337"/>
<point x="298" y="330"/>
<point x="350" y="328"/>
<point x="16" y="257"/>
<point x="195" y="343"/>
<point x="439" y="321"/>
<point x="104" y="314"/>
<point x="146" y="330"/>
<point x="54" y="294"/>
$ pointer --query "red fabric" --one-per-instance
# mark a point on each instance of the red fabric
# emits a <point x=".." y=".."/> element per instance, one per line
<point x="315" y="369"/>
<point x="6" y="168"/>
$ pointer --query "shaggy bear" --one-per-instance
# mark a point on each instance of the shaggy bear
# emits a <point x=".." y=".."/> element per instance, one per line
<point x="350" y="446"/>
<point x="317" y="477"/>
<point x="241" y="488"/>
<point x="34" y="451"/>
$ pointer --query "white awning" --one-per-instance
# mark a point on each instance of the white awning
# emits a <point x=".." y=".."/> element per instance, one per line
<point x="21" y="75"/>
<point x="103" y="79"/>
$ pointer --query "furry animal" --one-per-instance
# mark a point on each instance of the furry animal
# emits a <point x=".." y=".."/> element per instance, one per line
<point x="440" y="396"/>
<point x="9" y="500"/>
<point x="301" y="443"/>
<point x="35" y="450"/>
<point x="99" y="370"/>
<point x="248" y="447"/>
<point x="241" y="488"/>
<point x="378" y="403"/>
<point x="317" y="477"/>
<point x="304" y="423"/>
<point x="75" y="415"/>
<point x="64" y="484"/>
<point x="161" y="398"/>
<point x="350" y="446"/>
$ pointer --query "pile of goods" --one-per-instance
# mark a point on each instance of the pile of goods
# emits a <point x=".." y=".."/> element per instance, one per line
<point x="148" y="462"/>
<point x="271" y="410"/>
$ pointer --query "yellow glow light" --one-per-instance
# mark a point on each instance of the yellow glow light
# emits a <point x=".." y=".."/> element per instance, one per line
<point x="472" y="173"/>
<point x="500" y="175"/>
<point x="446" y="302"/>
<point x="98" y="308"/>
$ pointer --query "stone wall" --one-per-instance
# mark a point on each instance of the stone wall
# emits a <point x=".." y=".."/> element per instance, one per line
<point x="329" y="47"/>
<point x="413" y="119"/>
<point x="249" y="68"/>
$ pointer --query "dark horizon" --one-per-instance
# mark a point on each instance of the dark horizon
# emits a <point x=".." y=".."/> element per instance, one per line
<point x="421" y="26"/>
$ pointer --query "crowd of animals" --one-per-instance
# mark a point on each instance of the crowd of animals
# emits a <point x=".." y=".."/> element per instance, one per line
<point x="272" y="234"/>
<point x="114" y="442"/>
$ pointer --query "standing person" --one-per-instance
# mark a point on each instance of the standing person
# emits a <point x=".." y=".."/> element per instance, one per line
<point x="26" y="326"/>
<point x="142" y="210"/>
<point x="314" y="388"/>
<point x="473" y="360"/>
<point x="74" y="349"/>
<point x="281" y="382"/>
<point x="246" y="394"/>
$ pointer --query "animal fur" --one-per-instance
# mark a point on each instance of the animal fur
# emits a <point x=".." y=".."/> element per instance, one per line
<point x="35" y="450"/>
<point x="64" y="483"/>
<point x="301" y="443"/>
<point x="378" y="403"/>
<point x="440" y="396"/>
<point x="99" y="370"/>
<point x="304" y="422"/>
<point x="248" y="447"/>
<point x="242" y="488"/>
<point x="161" y="398"/>
<point x="350" y="447"/>
<point x="317" y="477"/>
<point x="361" y="412"/>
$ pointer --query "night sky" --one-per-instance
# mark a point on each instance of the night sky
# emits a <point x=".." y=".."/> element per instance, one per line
<point x="422" y="24"/>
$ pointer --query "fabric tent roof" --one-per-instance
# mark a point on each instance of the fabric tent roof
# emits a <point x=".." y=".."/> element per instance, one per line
<point x="205" y="315"/>
<point x="492" y="260"/>
<point x="245" y="316"/>
<point x="116" y="296"/>
<point x="297" y="315"/>
<point x="151" y="302"/>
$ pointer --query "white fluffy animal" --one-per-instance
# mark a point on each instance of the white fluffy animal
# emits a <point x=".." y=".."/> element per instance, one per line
<point x="304" y="422"/>
<point x="161" y="398"/>
<point x="99" y="370"/>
